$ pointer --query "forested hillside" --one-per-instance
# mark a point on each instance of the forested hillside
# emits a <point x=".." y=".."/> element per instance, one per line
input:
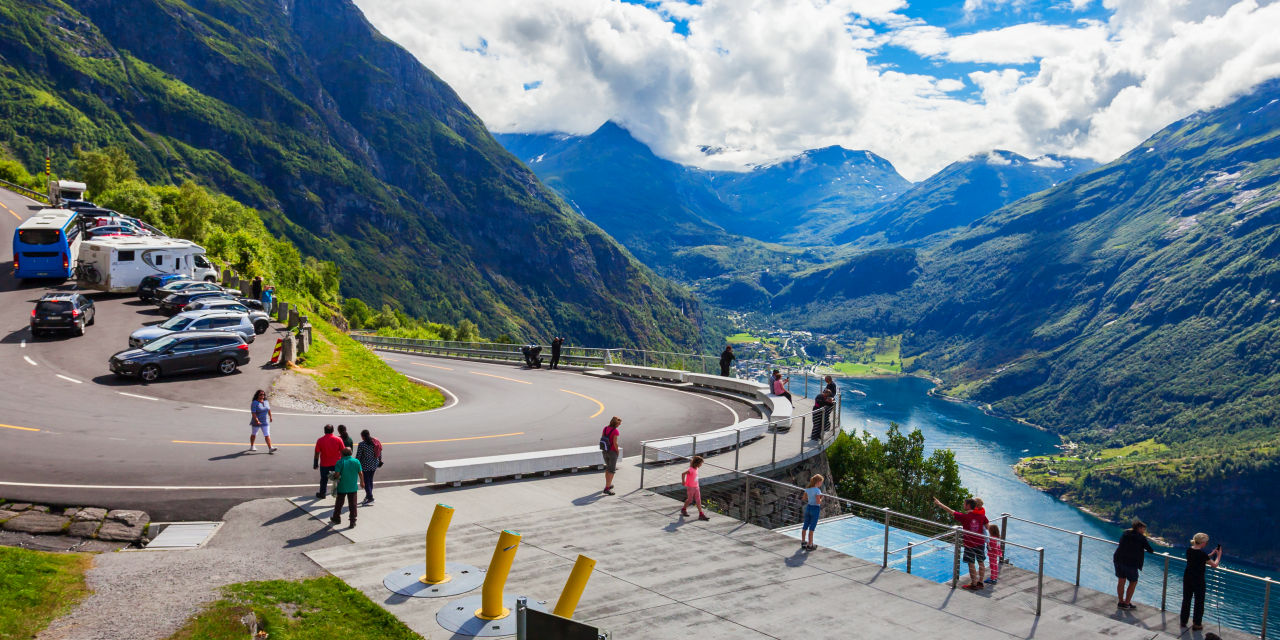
<point x="1140" y="300"/>
<point x="304" y="111"/>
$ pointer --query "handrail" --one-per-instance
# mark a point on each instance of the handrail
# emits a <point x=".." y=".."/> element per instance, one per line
<point x="944" y="534"/>
<point x="34" y="195"/>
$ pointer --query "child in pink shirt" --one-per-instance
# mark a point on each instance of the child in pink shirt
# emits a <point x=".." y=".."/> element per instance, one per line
<point x="995" y="551"/>
<point x="693" y="492"/>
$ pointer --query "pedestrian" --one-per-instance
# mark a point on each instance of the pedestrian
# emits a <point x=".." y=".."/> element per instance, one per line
<point x="812" y="511"/>
<point x="555" y="351"/>
<point x="1193" y="579"/>
<point x="975" y="525"/>
<point x="268" y="298"/>
<point x="1130" y="553"/>
<point x="778" y="385"/>
<point x="726" y="357"/>
<point x="328" y="452"/>
<point x="349" y="477"/>
<point x="611" y="449"/>
<point x="255" y="289"/>
<point x="692" y="491"/>
<point x="831" y="386"/>
<point x="821" y="408"/>
<point x="346" y="438"/>
<point x="369" y="453"/>
<point x="260" y="420"/>
<point x="995" y="551"/>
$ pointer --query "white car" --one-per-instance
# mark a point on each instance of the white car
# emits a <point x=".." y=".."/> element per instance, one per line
<point x="203" y="320"/>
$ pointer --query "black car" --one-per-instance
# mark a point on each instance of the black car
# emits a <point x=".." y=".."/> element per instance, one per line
<point x="174" y="302"/>
<point x="147" y="288"/>
<point x="182" y="352"/>
<point x="62" y="312"/>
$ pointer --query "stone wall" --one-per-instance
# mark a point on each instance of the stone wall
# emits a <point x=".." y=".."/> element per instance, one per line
<point x="766" y="504"/>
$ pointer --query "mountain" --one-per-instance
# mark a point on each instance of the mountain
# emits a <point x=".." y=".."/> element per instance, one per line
<point x="791" y="201"/>
<point x="348" y="145"/>
<point x="1137" y="301"/>
<point x="958" y="195"/>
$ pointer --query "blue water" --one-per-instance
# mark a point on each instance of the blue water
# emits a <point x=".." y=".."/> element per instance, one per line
<point x="864" y="539"/>
<point x="986" y="449"/>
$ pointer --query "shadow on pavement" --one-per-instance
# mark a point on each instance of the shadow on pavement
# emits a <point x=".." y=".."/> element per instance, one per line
<point x="310" y="538"/>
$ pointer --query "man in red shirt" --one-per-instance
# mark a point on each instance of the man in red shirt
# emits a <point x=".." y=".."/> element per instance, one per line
<point x="973" y="522"/>
<point x="328" y="452"/>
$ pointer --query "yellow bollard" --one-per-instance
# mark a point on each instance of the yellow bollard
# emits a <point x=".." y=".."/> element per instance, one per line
<point x="495" y="579"/>
<point x="435" y="545"/>
<point x="574" y="587"/>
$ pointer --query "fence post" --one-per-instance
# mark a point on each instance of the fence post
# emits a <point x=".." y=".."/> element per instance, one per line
<point x="773" y="458"/>
<point x="643" y="450"/>
<point x="806" y="382"/>
<point x="522" y="623"/>
<point x="802" y="427"/>
<point x="695" y="446"/>
<point x="1164" y="587"/>
<point x="737" y="448"/>
<point x="885" y="561"/>
<point x="955" y="552"/>
<point x="1004" y="526"/>
<point x="1079" y="553"/>
<point x="746" y="500"/>
<point x="910" y="548"/>
<point x="1266" y="603"/>
<point x="1040" y="580"/>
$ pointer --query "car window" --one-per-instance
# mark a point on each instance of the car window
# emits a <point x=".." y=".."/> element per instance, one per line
<point x="203" y="323"/>
<point x="176" y="323"/>
<point x="206" y="343"/>
<point x="156" y="346"/>
<point x="184" y="347"/>
<point x="53" y="306"/>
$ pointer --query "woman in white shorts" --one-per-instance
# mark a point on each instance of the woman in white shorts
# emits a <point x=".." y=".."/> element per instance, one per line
<point x="260" y="420"/>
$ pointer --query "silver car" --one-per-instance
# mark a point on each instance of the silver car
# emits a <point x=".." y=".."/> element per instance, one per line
<point x="203" y="320"/>
<point x="260" y="319"/>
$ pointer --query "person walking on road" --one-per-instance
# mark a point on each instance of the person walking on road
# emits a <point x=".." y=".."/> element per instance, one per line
<point x="555" y="351"/>
<point x="328" y="452"/>
<point x="692" y="491"/>
<point x="260" y="420"/>
<point x="726" y="358"/>
<point x="812" y="511"/>
<point x="611" y="449"/>
<point x="369" y="453"/>
<point x="346" y="437"/>
<point x="975" y="525"/>
<point x="1128" y="558"/>
<point x="348" y="474"/>
<point x="1193" y="579"/>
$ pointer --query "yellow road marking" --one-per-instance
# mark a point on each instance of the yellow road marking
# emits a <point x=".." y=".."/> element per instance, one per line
<point x="281" y="444"/>
<point x="598" y="403"/>
<point x="500" y="377"/>
<point x="9" y="426"/>
<point x="433" y="366"/>
<point x="6" y="208"/>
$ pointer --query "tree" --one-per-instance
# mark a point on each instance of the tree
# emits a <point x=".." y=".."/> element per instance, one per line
<point x="467" y="331"/>
<point x="103" y="169"/>
<point x="357" y="313"/>
<point x="895" y="473"/>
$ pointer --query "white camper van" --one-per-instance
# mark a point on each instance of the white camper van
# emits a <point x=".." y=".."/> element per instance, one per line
<point x="61" y="190"/>
<point x="118" y="264"/>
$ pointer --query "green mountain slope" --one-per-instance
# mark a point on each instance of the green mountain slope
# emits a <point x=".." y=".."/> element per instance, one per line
<point x="358" y="154"/>
<point x="1139" y="300"/>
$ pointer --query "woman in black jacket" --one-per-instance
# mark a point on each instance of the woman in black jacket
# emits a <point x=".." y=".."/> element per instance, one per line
<point x="1128" y="560"/>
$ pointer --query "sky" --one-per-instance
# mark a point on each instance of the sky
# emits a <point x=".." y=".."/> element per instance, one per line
<point x="725" y="84"/>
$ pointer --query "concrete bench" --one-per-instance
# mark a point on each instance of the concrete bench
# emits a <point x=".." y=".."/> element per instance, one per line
<point x="779" y="407"/>
<point x="652" y="373"/>
<point x="515" y="464"/>
<point x="737" y="385"/>
<point x="711" y="441"/>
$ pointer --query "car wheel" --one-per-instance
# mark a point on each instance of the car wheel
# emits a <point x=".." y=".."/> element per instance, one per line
<point x="227" y="366"/>
<point x="210" y="279"/>
<point x="149" y="373"/>
<point x="79" y="329"/>
<point x="261" y="327"/>
<point x="93" y="318"/>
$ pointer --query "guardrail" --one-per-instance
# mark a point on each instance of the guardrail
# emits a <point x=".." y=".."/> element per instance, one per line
<point x="34" y="195"/>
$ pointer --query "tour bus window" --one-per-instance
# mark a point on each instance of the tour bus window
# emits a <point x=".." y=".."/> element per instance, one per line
<point x="39" y="236"/>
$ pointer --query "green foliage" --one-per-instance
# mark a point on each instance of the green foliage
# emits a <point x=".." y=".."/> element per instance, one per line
<point x="102" y="169"/>
<point x="894" y="472"/>
<point x="37" y="587"/>
<point x="349" y="371"/>
<point x="295" y="610"/>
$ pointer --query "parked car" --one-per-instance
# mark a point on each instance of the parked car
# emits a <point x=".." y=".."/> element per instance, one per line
<point x="147" y="288"/>
<point x="112" y="231"/>
<point x="261" y="321"/>
<point x="174" y="302"/>
<point x="203" y="320"/>
<point x="182" y="352"/>
<point x="62" y="312"/>
<point x="195" y="285"/>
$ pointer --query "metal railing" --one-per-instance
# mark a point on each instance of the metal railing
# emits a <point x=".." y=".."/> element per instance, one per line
<point x="34" y="195"/>
<point x="1234" y="599"/>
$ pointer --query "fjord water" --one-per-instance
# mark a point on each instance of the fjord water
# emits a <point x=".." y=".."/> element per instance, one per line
<point x="986" y="448"/>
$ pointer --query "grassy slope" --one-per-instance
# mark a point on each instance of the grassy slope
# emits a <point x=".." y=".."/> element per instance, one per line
<point x="36" y="587"/>
<point x="338" y="362"/>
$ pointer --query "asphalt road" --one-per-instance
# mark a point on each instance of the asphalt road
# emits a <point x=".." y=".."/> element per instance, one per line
<point x="72" y="433"/>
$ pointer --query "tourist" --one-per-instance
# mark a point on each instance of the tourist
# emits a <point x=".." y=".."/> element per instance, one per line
<point x="611" y="449"/>
<point x="255" y="289"/>
<point x="260" y="420"/>
<point x="692" y="492"/>
<point x="975" y="525"/>
<point x="328" y="452"/>
<point x="347" y="473"/>
<point x="831" y="386"/>
<point x="268" y="298"/>
<point x="1130" y="553"/>
<point x="346" y="438"/>
<point x="812" y="511"/>
<point x="726" y="357"/>
<point x="1193" y="579"/>
<point x="995" y="551"/>
<point x="821" y="415"/>
<point x="369" y="453"/>
<point x="556" y="343"/>
<point x="778" y="385"/>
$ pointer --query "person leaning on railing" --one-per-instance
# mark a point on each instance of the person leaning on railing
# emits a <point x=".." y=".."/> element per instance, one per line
<point x="1193" y="579"/>
<point x="1130" y="553"/>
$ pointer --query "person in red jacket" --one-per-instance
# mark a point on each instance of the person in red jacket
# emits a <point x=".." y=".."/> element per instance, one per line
<point x="328" y="452"/>
<point x="974" y="524"/>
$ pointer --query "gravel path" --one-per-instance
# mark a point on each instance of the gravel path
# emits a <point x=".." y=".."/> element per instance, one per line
<point x="149" y="594"/>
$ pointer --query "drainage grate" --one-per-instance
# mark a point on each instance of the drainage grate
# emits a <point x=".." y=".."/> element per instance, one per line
<point x="183" y="535"/>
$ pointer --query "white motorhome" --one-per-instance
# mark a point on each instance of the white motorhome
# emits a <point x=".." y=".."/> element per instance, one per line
<point x="118" y="264"/>
<point x="60" y="190"/>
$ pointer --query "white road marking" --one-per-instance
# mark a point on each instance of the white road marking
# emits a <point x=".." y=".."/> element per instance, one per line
<point x="67" y="379"/>
<point x="432" y="384"/>
<point x="29" y="360"/>
<point x="134" y="395"/>
<point x="310" y="485"/>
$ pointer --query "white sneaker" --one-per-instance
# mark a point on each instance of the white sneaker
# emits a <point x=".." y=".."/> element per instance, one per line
<point x="252" y="448"/>
<point x="273" y="449"/>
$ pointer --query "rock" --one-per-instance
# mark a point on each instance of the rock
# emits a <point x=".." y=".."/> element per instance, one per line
<point x="114" y="529"/>
<point x="84" y="528"/>
<point x="100" y="546"/>
<point x="90" y="513"/>
<point x="40" y="508"/>
<point x="129" y="517"/>
<point x="5" y="514"/>
<point x="52" y="543"/>
<point x="36" y="522"/>
<point x="18" y="506"/>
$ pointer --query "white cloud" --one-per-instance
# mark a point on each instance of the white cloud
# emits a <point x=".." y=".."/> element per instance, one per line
<point x="1048" y="163"/>
<point x="768" y="78"/>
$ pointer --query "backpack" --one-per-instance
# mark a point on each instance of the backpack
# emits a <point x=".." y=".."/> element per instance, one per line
<point x="604" y="439"/>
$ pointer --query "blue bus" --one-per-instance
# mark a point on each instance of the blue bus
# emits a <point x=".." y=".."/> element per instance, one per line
<point x="46" y="245"/>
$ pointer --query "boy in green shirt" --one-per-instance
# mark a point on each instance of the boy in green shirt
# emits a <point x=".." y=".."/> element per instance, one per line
<point x="350" y="481"/>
